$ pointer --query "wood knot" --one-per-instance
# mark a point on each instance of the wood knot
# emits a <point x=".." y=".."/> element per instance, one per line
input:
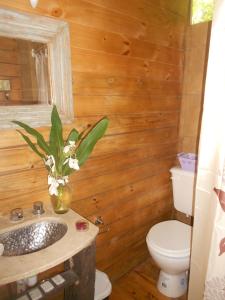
<point x="146" y="65"/>
<point x="167" y="77"/>
<point x="57" y="12"/>
<point x="111" y="80"/>
<point x="126" y="52"/>
<point x="127" y="43"/>
<point x="140" y="81"/>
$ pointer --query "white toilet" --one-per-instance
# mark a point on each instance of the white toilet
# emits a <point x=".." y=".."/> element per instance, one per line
<point x="169" y="242"/>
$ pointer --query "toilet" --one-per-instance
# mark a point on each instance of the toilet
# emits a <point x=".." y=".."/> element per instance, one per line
<point x="169" y="242"/>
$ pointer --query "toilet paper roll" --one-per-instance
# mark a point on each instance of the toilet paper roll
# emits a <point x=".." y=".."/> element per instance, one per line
<point x="1" y="249"/>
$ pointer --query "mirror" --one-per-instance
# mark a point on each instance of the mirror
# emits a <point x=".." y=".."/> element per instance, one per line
<point x="24" y="75"/>
<point x="35" y="69"/>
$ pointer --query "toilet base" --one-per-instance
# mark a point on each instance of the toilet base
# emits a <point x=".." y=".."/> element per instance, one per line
<point x="172" y="285"/>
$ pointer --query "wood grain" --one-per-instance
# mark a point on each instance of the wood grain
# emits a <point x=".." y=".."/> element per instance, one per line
<point x="93" y="61"/>
<point x="140" y="283"/>
<point x="97" y="84"/>
<point x="107" y="42"/>
<point x="197" y="42"/>
<point x="56" y="35"/>
<point x="127" y="63"/>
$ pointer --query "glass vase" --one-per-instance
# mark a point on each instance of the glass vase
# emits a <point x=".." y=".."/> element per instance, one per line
<point x="61" y="202"/>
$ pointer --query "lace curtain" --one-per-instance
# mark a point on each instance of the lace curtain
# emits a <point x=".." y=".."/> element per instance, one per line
<point x="41" y="66"/>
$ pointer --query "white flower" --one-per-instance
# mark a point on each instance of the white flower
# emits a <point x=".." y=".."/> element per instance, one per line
<point x="53" y="190"/>
<point x="50" y="179"/>
<point x="66" y="179"/>
<point x="50" y="162"/>
<point x="73" y="164"/>
<point x="53" y="185"/>
<point x="63" y="180"/>
<point x="67" y="148"/>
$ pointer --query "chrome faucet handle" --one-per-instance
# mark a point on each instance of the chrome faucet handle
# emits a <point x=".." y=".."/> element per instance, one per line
<point x="16" y="214"/>
<point x="38" y="208"/>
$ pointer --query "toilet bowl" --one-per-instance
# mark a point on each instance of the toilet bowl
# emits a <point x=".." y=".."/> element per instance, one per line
<point x="169" y="244"/>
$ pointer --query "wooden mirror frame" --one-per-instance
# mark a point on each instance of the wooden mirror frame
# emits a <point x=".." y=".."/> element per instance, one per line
<point x="55" y="33"/>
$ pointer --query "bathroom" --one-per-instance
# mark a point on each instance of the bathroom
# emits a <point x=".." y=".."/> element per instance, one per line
<point x="141" y="64"/>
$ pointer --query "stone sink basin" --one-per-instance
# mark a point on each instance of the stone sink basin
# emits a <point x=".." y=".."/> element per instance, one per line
<point x="38" y="243"/>
<point x="31" y="238"/>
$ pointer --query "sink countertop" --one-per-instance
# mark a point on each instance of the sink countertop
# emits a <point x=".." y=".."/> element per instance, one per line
<point x="13" y="268"/>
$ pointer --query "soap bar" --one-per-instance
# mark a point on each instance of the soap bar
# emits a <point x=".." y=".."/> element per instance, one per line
<point x="58" y="279"/>
<point x="35" y="294"/>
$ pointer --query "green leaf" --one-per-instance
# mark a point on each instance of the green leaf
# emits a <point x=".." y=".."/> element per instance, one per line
<point x="56" y="137"/>
<point x="88" y="142"/>
<point x="32" y="146"/>
<point x="40" y="140"/>
<point x="81" y="134"/>
<point x="73" y="136"/>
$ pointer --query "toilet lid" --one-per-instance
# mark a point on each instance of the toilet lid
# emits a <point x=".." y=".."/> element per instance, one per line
<point x="171" y="238"/>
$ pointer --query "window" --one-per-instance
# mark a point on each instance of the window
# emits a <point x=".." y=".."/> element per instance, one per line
<point x="202" y="11"/>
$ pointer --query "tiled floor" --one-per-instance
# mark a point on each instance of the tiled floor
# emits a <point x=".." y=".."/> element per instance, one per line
<point x="139" y="284"/>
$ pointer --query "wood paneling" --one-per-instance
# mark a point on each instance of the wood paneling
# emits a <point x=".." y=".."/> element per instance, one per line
<point x="17" y="66"/>
<point x="196" y="53"/>
<point x="28" y="71"/>
<point x="93" y="61"/>
<point x="102" y="84"/>
<point x="127" y="62"/>
<point x="10" y="69"/>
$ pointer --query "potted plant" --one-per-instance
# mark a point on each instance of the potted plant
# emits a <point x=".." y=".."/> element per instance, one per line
<point x="62" y="157"/>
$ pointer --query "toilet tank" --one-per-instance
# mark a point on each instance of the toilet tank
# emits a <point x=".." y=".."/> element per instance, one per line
<point x="183" y="190"/>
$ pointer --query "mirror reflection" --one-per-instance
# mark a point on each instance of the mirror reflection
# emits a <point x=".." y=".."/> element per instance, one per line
<point x="24" y="73"/>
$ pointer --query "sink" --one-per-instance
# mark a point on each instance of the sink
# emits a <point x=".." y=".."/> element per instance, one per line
<point x="32" y="238"/>
<point x="41" y="241"/>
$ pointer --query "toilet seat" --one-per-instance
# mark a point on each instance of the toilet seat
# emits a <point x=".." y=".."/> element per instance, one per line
<point x="170" y="238"/>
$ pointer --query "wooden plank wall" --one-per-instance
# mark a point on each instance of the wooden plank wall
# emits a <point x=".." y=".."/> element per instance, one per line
<point x="17" y="65"/>
<point x="196" y="54"/>
<point x="127" y="63"/>
<point x="28" y="71"/>
<point x="10" y="70"/>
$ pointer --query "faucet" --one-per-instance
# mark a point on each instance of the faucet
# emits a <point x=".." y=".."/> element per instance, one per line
<point x="38" y="208"/>
<point x="16" y="214"/>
